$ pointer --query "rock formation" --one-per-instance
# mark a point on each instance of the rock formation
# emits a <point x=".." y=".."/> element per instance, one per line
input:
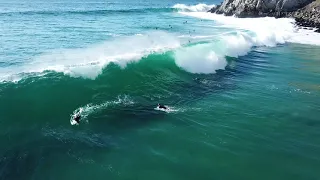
<point x="306" y="12"/>
<point x="308" y="16"/>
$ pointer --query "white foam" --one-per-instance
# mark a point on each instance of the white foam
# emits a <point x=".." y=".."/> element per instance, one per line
<point x="268" y="30"/>
<point x="209" y="57"/>
<point x="247" y="33"/>
<point x="199" y="59"/>
<point x="193" y="8"/>
<point x="304" y="36"/>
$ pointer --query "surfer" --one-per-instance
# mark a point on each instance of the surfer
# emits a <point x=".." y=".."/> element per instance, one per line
<point x="162" y="106"/>
<point x="77" y="117"/>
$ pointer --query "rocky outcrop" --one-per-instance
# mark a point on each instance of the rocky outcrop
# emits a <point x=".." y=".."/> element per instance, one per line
<point x="308" y="16"/>
<point x="257" y="8"/>
<point x="214" y="9"/>
<point x="306" y="12"/>
<point x="254" y="8"/>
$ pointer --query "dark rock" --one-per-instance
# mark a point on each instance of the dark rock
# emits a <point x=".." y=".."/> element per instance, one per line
<point x="308" y="16"/>
<point x="259" y="8"/>
<point x="305" y="12"/>
<point x="214" y="9"/>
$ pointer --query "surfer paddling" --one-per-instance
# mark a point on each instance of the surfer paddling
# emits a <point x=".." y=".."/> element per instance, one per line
<point x="77" y="117"/>
<point x="162" y="107"/>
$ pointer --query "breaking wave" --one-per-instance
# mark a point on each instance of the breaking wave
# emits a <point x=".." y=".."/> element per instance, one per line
<point x="193" y="8"/>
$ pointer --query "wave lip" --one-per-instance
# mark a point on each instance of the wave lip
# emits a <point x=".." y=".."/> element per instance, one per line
<point x="193" y="8"/>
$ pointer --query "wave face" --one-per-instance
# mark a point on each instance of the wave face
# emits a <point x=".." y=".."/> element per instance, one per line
<point x="203" y="56"/>
<point x="89" y="62"/>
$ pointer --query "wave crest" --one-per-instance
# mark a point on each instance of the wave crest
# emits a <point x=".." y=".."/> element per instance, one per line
<point x="89" y="62"/>
<point x="207" y="56"/>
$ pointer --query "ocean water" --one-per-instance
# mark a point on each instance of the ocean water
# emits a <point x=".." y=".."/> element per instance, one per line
<point x="244" y="94"/>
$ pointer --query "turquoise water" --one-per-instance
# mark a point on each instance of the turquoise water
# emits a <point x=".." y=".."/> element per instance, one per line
<point x="244" y="94"/>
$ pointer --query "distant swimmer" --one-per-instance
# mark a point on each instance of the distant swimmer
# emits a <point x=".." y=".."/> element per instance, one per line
<point x="162" y="106"/>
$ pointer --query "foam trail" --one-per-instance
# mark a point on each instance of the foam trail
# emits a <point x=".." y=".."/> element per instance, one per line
<point x="194" y="8"/>
<point x="94" y="108"/>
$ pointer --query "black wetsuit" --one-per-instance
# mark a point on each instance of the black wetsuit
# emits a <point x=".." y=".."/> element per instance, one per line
<point x="77" y="118"/>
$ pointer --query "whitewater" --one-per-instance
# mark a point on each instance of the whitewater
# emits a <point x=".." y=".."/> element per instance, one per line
<point x="205" y="54"/>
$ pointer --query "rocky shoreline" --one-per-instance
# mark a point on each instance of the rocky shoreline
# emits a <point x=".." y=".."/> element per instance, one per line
<point x="305" y="12"/>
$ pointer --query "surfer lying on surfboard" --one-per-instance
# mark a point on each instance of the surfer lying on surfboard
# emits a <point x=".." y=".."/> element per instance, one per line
<point x="162" y="106"/>
<point x="77" y="117"/>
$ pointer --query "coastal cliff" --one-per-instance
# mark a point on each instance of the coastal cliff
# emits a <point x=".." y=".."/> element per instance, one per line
<point x="305" y="12"/>
<point x="308" y="16"/>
